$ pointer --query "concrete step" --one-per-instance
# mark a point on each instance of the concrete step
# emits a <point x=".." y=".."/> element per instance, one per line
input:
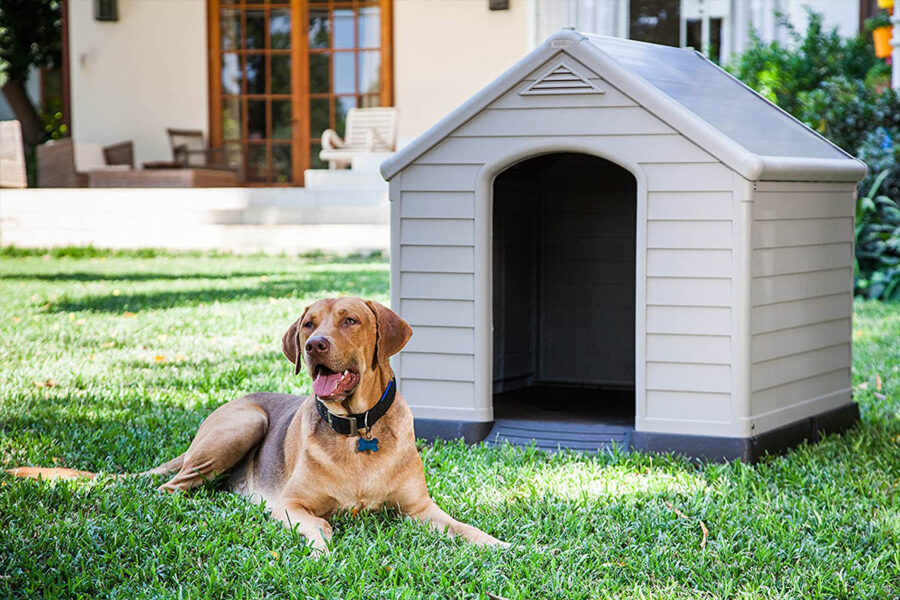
<point x="344" y="180"/>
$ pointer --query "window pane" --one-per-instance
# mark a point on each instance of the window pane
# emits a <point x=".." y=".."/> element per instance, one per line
<point x="319" y="66"/>
<point x="281" y="73"/>
<point x="281" y="119"/>
<point x="369" y="27"/>
<point x="655" y="21"/>
<point x="344" y="73"/>
<point x="280" y="29"/>
<point x="257" y="163"/>
<point x="231" y="118"/>
<point x="319" y="117"/>
<point x="256" y="74"/>
<point x="256" y="29"/>
<point x="369" y="72"/>
<point x="230" y="29"/>
<point x="231" y="74"/>
<point x="281" y="163"/>
<point x="256" y="119"/>
<point x="318" y="28"/>
<point x="342" y="105"/>
<point x="370" y="101"/>
<point x="343" y="29"/>
<point x="314" y="160"/>
<point x="233" y="158"/>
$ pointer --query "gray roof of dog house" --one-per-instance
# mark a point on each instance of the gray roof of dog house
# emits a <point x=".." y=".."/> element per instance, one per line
<point x="683" y="88"/>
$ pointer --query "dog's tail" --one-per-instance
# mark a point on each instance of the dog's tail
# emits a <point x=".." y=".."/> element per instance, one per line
<point x="49" y="474"/>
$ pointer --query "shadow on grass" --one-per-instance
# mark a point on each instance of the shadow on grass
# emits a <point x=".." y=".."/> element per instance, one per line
<point x="85" y="276"/>
<point x="363" y="282"/>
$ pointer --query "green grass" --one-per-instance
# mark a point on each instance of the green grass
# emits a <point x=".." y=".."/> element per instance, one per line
<point x="111" y="360"/>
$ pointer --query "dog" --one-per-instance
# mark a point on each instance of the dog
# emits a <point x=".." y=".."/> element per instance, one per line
<point x="348" y="446"/>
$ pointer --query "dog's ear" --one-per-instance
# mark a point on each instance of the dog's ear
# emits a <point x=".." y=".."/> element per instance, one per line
<point x="290" y="343"/>
<point x="391" y="334"/>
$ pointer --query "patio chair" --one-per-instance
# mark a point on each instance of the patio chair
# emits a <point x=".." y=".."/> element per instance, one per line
<point x="12" y="156"/>
<point x="65" y="163"/>
<point x="368" y="130"/>
<point x="189" y="149"/>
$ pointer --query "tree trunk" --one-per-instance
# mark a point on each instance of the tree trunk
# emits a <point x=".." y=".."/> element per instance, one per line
<point x="32" y="129"/>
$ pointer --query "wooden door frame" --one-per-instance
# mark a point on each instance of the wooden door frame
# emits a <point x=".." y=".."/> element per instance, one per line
<point x="300" y="140"/>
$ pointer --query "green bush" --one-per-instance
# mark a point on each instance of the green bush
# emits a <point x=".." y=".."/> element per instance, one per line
<point x="838" y="87"/>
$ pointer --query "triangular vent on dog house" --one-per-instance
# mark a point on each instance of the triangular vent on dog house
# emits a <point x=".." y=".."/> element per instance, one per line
<point x="561" y="79"/>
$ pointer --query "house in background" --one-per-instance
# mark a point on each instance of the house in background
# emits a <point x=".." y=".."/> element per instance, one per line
<point x="264" y="78"/>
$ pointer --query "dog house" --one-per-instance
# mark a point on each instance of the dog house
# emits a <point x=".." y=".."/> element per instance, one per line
<point x="619" y="243"/>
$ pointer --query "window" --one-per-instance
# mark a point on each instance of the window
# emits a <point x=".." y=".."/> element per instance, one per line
<point x="286" y="70"/>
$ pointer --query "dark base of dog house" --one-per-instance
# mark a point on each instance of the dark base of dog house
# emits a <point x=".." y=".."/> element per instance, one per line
<point x="552" y="435"/>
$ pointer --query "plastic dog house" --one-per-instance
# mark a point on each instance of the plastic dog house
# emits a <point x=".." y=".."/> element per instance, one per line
<point x="618" y="242"/>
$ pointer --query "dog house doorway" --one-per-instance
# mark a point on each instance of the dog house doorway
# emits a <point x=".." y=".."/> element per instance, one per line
<point x="564" y="245"/>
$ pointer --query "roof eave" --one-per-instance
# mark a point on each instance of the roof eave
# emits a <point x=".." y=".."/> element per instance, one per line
<point x="784" y="168"/>
<point x="471" y="107"/>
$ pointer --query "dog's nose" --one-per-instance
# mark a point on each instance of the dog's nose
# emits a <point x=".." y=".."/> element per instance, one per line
<point x="318" y="345"/>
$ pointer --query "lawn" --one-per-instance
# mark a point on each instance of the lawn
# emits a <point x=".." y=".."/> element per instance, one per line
<point x="110" y="362"/>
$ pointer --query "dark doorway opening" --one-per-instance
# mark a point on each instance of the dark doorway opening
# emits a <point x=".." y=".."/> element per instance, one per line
<point x="564" y="229"/>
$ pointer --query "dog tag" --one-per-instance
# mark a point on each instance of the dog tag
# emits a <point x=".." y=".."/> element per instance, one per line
<point x="363" y="444"/>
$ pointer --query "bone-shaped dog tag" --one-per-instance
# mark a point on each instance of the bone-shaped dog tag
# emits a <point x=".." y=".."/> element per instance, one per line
<point x="364" y="444"/>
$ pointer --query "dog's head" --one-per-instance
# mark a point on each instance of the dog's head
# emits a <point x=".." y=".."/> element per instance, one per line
<point x="343" y="341"/>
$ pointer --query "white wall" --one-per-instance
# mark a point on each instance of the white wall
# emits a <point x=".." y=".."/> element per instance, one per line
<point x="444" y="52"/>
<point x="133" y="78"/>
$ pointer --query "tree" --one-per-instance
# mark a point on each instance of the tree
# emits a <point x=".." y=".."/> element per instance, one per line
<point x="30" y="36"/>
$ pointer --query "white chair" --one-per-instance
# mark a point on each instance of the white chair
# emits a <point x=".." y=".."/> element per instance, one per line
<point x="368" y="130"/>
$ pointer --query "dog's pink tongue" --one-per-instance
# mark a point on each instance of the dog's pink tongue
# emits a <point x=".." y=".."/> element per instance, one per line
<point x="325" y="385"/>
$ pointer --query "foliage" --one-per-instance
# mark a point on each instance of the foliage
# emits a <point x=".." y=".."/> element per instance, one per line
<point x="29" y="36"/>
<point x="110" y="363"/>
<point x="878" y="244"/>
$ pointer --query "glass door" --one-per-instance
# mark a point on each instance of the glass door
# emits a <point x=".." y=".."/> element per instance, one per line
<point x="283" y="71"/>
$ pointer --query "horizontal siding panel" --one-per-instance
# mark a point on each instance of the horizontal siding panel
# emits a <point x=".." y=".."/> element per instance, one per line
<point x="799" y="366"/>
<point x="437" y="205"/>
<point x="572" y="121"/>
<point x="801" y="232"/>
<point x="445" y="394"/>
<point x="688" y="405"/>
<point x="797" y="286"/>
<point x="711" y="349"/>
<point x="690" y="206"/>
<point x="438" y="232"/>
<point x="449" y="340"/>
<point x="676" y="291"/>
<point x="689" y="320"/>
<point x="450" y="313"/>
<point x="689" y="234"/>
<point x="785" y="315"/>
<point x="767" y="346"/>
<point x="799" y="391"/>
<point x="438" y="259"/>
<point x="447" y="367"/>
<point x="449" y="286"/>
<point x="651" y="148"/>
<point x="689" y="263"/>
<point x="688" y="177"/>
<point x="803" y="205"/>
<point x="443" y="178"/>
<point x="683" y="377"/>
<point x="782" y="261"/>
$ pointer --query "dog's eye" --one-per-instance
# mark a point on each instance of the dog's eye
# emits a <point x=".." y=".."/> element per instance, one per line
<point x="308" y="324"/>
<point x="349" y="321"/>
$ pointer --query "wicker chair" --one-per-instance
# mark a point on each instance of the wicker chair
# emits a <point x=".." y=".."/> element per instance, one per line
<point x="57" y="165"/>
<point x="119" y="154"/>
<point x="189" y="149"/>
<point x="12" y="156"/>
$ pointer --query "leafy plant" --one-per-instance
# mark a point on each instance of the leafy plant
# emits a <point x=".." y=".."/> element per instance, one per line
<point x="878" y="244"/>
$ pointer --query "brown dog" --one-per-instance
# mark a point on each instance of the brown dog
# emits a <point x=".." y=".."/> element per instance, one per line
<point x="350" y="445"/>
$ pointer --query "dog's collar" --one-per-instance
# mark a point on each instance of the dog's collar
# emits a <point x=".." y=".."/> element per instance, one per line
<point x="347" y="425"/>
